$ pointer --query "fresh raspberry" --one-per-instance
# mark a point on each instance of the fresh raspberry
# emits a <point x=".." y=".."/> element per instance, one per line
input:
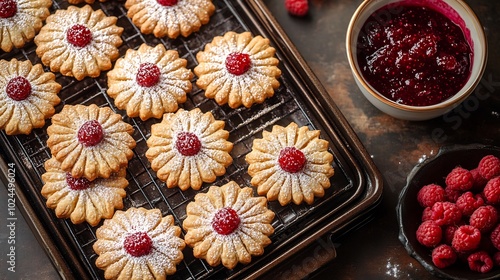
<point x="451" y="195"/>
<point x="188" y="144"/>
<point x="79" y="35"/>
<point x="459" y="179"/>
<point x="225" y="221"/>
<point x="430" y="194"/>
<point x="138" y="244"/>
<point x="77" y="184"/>
<point x="291" y="159"/>
<point x="167" y="3"/>
<point x="448" y="233"/>
<point x="484" y="218"/>
<point x="18" y="88"/>
<point x="427" y="214"/>
<point x="443" y="256"/>
<point x="8" y="8"/>
<point x="479" y="181"/>
<point x="297" y="7"/>
<point x="489" y="167"/>
<point x="492" y="191"/>
<point x="429" y="234"/>
<point x="495" y="237"/>
<point x="496" y="258"/>
<point x="238" y="63"/>
<point x="466" y="238"/>
<point x="480" y="262"/>
<point x="468" y="203"/>
<point x="148" y="75"/>
<point x="446" y="213"/>
<point x="90" y="133"/>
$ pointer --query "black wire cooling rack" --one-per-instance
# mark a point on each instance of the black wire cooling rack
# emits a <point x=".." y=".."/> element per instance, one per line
<point x="145" y="189"/>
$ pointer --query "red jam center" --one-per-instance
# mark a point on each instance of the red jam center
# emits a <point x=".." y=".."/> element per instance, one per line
<point x="18" y="88"/>
<point x="79" y="35"/>
<point x="8" y="8"/>
<point x="148" y="75"/>
<point x="291" y="159"/>
<point x="77" y="184"/>
<point x="238" y="63"/>
<point x="138" y="244"/>
<point x="90" y="133"/>
<point x="225" y="221"/>
<point x="188" y="144"/>
<point x="167" y="3"/>
<point x="416" y="56"/>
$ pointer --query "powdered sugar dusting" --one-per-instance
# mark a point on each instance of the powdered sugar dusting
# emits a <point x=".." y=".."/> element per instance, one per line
<point x="165" y="246"/>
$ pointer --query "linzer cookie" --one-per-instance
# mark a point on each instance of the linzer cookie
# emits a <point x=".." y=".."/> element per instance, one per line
<point x="80" y="199"/>
<point x="138" y="244"/>
<point x="149" y="82"/>
<point x="27" y="96"/>
<point x="90" y="141"/>
<point x="290" y="164"/>
<point x="20" y="20"/>
<point x="169" y="18"/>
<point x="79" y="42"/>
<point x="228" y="225"/>
<point x="238" y="69"/>
<point x="188" y="148"/>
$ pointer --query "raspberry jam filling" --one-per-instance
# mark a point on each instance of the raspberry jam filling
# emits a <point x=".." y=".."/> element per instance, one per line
<point x="291" y="159"/>
<point x="238" y="63"/>
<point x="167" y="3"/>
<point x="79" y="35"/>
<point x="188" y="144"/>
<point x="18" y="88"/>
<point x="148" y="75"/>
<point x="225" y="221"/>
<point x="90" y="133"/>
<point x="416" y="56"/>
<point x="77" y="184"/>
<point x="138" y="244"/>
<point x="8" y="8"/>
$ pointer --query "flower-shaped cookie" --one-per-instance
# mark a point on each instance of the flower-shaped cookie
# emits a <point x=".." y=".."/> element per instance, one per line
<point x="81" y="199"/>
<point x="188" y="148"/>
<point x="149" y="82"/>
<point x="290" y="164"/>
<point x="237" y="69"/>
<point x="20" y="20"/>
<point x="90" y="141"/>
<point x="138" y="244"/>
<point x="27" y="96"/>
<point x="79" y="42"/>
<point x="228" y="225"/>
<point x="169" y="17"/>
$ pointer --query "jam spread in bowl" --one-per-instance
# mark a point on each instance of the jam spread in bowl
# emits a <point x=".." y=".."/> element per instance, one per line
<point x="416" y="59"/>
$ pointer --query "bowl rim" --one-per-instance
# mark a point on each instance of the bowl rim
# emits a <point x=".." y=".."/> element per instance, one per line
<point x="402" y="236"/>
<point x="458" y="98"/>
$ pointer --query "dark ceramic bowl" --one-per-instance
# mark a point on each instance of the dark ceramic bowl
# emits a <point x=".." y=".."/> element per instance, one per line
<point x="409" y="212"/>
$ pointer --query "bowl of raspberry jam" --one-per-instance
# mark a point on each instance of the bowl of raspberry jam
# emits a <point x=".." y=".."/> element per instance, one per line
<point x="416" y="59"/>
<point x="448" y="212"/>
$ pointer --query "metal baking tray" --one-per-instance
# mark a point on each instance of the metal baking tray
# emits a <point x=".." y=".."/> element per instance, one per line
<point x="356" y="185"/>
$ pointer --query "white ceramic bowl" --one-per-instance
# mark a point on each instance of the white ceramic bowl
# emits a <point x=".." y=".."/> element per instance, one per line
<point x="463" y="15"/>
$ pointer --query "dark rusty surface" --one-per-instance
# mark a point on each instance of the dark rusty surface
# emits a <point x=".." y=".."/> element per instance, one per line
<point x="374" y="251"/>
